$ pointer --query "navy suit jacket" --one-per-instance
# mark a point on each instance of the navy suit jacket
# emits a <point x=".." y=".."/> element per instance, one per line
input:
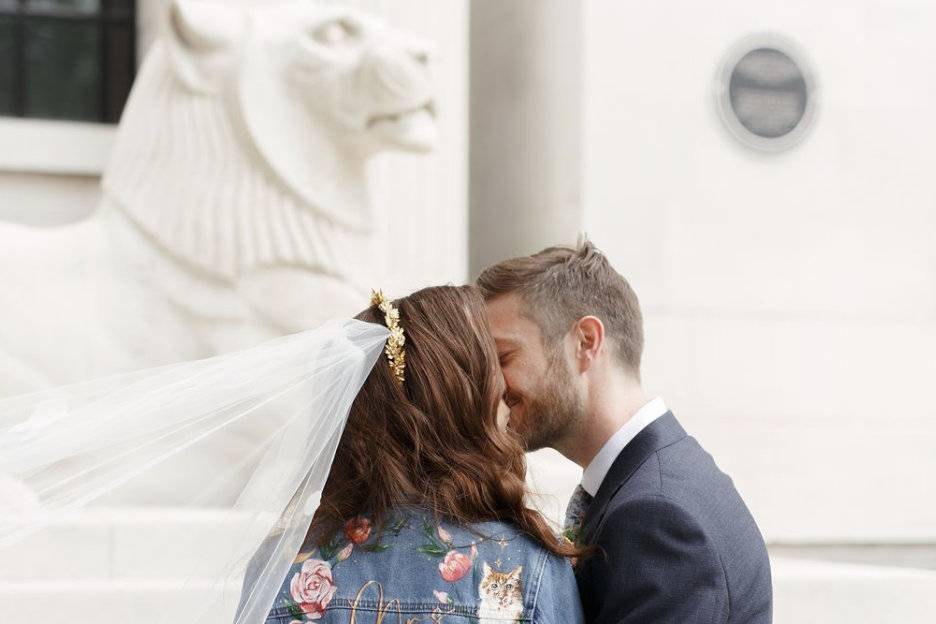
<point x="675" y="541"/>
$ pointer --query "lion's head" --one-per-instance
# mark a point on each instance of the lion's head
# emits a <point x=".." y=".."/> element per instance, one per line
<point x="317" y="87"/>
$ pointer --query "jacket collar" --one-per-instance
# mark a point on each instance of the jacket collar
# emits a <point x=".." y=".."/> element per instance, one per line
<point x="662" y="432"/>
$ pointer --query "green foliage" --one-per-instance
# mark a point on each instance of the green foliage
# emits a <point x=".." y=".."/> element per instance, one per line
<point x="294" y="609"/>
<point x="432" y="549"/>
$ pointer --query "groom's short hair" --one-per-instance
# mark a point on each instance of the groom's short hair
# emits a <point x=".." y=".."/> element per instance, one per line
<point x="561" y="284"/>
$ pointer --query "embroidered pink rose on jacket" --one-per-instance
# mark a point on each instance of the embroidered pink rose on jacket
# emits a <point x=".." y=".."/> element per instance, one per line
<point x="313" y="587"/>
<point x="357" y="530"/>
<point x="454" y="566"/>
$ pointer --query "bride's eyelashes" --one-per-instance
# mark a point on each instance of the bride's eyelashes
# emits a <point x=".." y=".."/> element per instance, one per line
<point x="504" y="357"/>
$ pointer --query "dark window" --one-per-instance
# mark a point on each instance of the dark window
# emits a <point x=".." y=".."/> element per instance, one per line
<point x="768" y="93"/>
<point x="66" y="59"/>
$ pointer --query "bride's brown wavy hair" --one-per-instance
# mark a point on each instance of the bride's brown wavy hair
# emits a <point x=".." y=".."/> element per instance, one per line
<point x="433" y="442"/>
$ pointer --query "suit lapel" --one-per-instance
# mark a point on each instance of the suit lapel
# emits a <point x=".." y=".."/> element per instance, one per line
<point x="662" y="432"/>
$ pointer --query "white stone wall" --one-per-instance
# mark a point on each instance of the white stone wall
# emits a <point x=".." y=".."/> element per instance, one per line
<point x="526" y="127"/>
<point x="49" y="170"/>
<point x="44" y="199"/>
<point x="790" y="298"/>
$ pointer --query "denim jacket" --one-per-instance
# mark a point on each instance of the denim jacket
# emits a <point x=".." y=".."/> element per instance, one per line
<point x="418" y="570"/>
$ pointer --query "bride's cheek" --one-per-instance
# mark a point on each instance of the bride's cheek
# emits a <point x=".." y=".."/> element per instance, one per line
<point x="503" y="416"/>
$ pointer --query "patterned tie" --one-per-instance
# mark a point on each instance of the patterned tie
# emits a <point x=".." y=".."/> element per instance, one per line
<point x="575" y="513"/>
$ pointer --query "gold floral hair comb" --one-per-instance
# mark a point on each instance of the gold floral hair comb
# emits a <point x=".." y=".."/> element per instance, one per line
<point x="396" y="354"/>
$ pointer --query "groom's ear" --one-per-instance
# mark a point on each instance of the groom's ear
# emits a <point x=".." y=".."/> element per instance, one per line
<point x="589" y="336"/>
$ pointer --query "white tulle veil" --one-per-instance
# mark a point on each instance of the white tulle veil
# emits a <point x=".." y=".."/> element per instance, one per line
<point x="237" y="446"/>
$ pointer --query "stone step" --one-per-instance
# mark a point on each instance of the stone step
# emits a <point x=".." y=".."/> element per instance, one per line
<point x="126" y="543"/>
<point x="821" y="592"/>
<point x="112" y="601"/>
<point x="806" y="592"/>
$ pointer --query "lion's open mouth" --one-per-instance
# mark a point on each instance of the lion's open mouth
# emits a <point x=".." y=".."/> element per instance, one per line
<point x="404" y="116"/>
<point x="412" y="129"/>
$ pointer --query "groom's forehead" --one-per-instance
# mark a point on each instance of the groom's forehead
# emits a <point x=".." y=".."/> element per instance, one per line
<point x="504" y="314"/>
<point x="509" y="325"/>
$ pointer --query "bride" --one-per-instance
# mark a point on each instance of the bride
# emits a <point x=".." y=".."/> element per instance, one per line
<point x="387" y="482"/>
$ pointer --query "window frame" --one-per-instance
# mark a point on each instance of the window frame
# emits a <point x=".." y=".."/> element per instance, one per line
<point x="61" y="146"/>
<point x="55" y="147"/>
<point x="770" y="145"/>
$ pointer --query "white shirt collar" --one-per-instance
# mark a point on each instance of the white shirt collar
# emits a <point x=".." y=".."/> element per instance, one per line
<point x="599" y="466"/>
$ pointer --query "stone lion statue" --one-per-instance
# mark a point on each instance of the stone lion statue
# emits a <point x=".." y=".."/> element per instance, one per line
<point x="235" y="203"/>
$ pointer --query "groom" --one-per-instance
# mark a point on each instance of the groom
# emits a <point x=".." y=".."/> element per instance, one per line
<point x="675" y="541"/>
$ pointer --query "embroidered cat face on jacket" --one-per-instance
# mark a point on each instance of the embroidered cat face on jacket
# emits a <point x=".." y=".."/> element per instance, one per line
<point x="501" y="594"/>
